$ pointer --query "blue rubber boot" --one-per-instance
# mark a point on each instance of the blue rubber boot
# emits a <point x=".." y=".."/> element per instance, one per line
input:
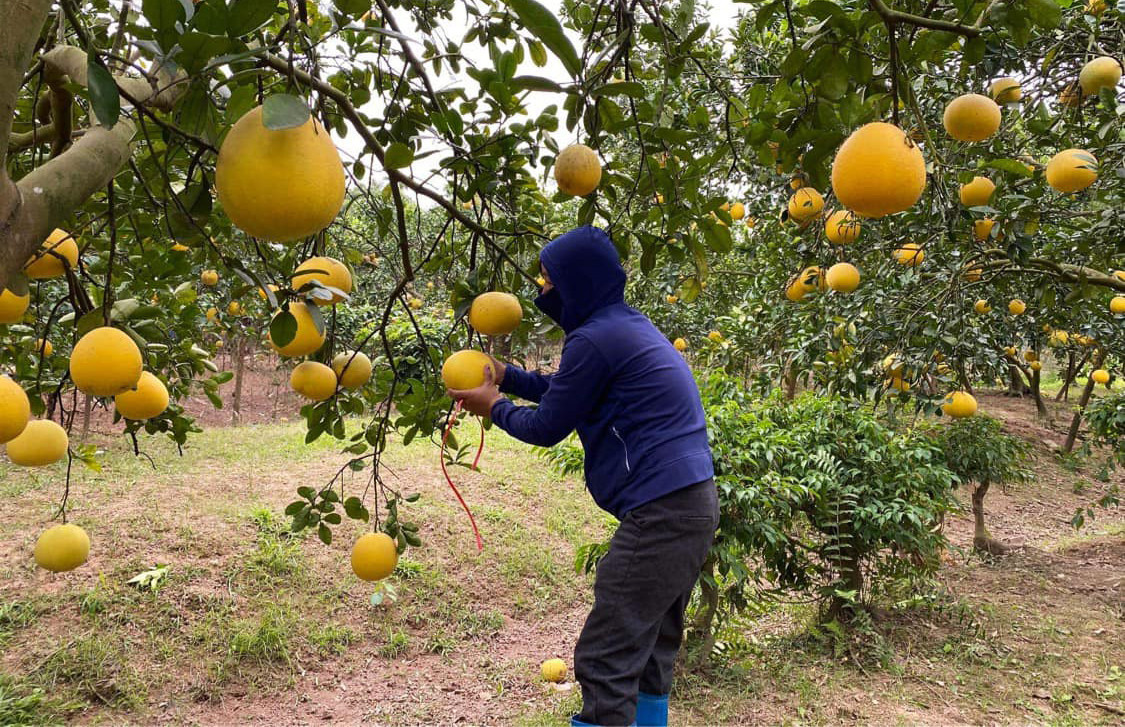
<point x="652" y="710"/>
<point x="575" y="722"/>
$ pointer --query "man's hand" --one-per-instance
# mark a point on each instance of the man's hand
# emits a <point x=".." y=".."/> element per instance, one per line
<point x="479" y="401"/>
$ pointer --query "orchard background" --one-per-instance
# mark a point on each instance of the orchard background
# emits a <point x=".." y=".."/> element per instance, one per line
<point x="404" y="153"/>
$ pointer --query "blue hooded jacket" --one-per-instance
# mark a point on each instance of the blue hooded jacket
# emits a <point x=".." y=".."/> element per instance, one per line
<point x="620" y="383"/>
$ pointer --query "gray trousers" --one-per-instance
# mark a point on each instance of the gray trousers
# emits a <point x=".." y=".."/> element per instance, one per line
<point x="643" y="584"/>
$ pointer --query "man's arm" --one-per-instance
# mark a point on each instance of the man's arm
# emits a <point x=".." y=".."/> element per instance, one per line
<point x="569" y="397"/>
<point x="527" y="385"/>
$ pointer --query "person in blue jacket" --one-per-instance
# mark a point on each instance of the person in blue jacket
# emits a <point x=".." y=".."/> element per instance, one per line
<point x="635" y="405"/>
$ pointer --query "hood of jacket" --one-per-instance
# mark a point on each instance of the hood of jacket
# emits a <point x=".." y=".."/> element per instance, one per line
<point x="586" y="275"/>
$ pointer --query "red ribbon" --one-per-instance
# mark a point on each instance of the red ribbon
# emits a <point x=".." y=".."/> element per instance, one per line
<point x="480" y="450"/>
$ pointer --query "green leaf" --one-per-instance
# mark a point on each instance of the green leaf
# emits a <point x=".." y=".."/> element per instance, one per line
<point x="283" y="328"/>
<point x="324" y="533"/>
<point x="543" y="23"/>
<point x="282" y="111"/>
<point x="103" y="91"/>
<point x="246" y="16"/>
<point x="1044" y="13"/>
<point x="538" y="53"/>
<point x="1011" y="166"/>
<point x="535" y="83"/>
<point x="163" y="14"/>
<point x="620" y="88"/>
<point x="398" y="155"/>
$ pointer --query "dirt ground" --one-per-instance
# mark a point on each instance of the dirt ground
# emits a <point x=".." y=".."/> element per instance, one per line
<point x="256" y="627"/>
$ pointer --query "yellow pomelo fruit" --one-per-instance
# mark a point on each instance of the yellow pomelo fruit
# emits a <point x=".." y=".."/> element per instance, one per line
<point x="1119" y="274"/>
<point x="680" y="344"/>
<point x="1058" y="338"/>
<point x="1096" y="7"/>
<point x="577" y="170"/>
<point x="62" y="547"/>
<point x="1103" y="72"/>
<point x="234" y="308"/>
<point x="1117" y="305"/>
<point x="353" y="372"/>
<point x="307" y="339"/>
<point x="842" y="277"/>
<point x="1005" y="90"/>
<point x="805" y="204"/>
<point x="1010" y="351"/>
<point x="971" y="117"/>
<point x="179" y="247"/>
<point x="983" y="228"/>
<point x="959" y="404"/>
<point x="878" y="171"/>
<point x="210" y="278"/>
<point x="795" y="292"/>
<point x="737" y="211"/>
<point x="495" y="313"/>
<point x="15" y="409"/>
<point x="1016" y="307"/>
<point x="982" y="307"/>
<point x="669" y="298"/>
<point x="374" y="556"/>
<point x="279" y="184"/>
<point x="1035" y="366"/>
<point x="842" y="227"/>
<point x="892" y="364"/>
<point x="553" y="670"/>
<point x="212" y="313"/>
<point x="414" y="303"/>
<point x="464" y="369"/>
<point x="313" y="380"/>
<point x="42" y="442"/>
<point x="1100" y="376"/>
<point x="972" y="274"/>
<point x="1072" y="170"/>
<point x="12" y="306"/>
<point x="105" y="362"/>
<point x="46" y="263"/>
<point x="897" y="382"/>
<point x="977" y="192"/>
<point x="262" y="292"/>
<point x="43" y="348"/>
<point x="715" y="336"/>
<point x="147" y="400"/>
<point x="326" y="271"/>
<point x="910" y="253"/>
<point x="1030" y="355"/>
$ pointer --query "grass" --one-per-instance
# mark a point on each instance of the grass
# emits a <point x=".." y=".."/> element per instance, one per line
<point x="250" y="608"/>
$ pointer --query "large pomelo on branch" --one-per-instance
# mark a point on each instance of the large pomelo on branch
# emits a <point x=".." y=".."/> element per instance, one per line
<point x="842" y="227"/>
<point x="959" y="404"/>
<point x="1103" y="72"/>
<point x="465" y="369"/>
<point x="105" y="362"/>
<point x="313" y="380"/>
<point x="805" y="204"/>
<point x="495" y="313"/>
<point x="42" y="442"/>
<point x="147" y="400"/>
<point x="279" y="184"/>
<point x="307" y="338"/>
<point x="12" y="306"/>
<point x="971" y="117"/>
<point x="15" y="409"/>
<point x="977" y="192"/>
<point x="374" y="556"/>
<point x="48" y="262"/>
<point x="1072" y="170"/>
<point x="353" y="369"/>
<point x="577" y="170"/>
<point x="62" y="548"/>
<point x="878" y="171"/>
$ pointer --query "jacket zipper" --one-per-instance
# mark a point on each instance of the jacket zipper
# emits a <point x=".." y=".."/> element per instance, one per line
<point x="623" y="446"/>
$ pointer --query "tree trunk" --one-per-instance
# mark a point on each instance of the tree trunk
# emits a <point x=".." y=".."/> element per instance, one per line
<point x="1016" y="386"/>
<point x="790" y="382"/>
<point x="238" y="351"/>
<point x="704" y="625"/>
<point x="1040" y="407"/>
<point x="982" y="540"/>
<point x="87" y="410"/>
<point x="1087" y="392"/>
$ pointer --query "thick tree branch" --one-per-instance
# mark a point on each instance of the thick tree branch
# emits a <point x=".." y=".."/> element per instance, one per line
<point x="896" y="16"/>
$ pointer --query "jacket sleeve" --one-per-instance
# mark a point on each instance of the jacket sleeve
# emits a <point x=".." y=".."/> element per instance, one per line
<point x="524" y="384"/>
<point x="571" y="395"/>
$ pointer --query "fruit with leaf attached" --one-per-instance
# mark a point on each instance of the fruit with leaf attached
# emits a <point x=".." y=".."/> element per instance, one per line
<point x="842" y="227"/>
<point x="495" y="313"/>
<point x="353" y="369"/>
<point x="149" y="399"/>
<point x="374" y="556"/>
<point x="279" y="184"/>
<point x="959" y="404"/>
<point x="910" y="254"/>
<point x="327" y="271"/>
<point x="105" y="362"/>
<point x="1005" y="90"/>
<point x="313" y="380"/>
<point x="971" y="117"/>
<point x="878" y="171"/>
<point x="48" y="261"/>
<point x="982" y="306"/>
<point x="805" y="204"/>
<point x="62" y="548"/>
<point x="307" y="338"/>
<point x="1072" y="170"/>
<point x="577" y="170"/>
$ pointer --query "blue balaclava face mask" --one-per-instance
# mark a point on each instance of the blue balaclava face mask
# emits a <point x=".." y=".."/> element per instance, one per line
<point x="586" y="275"/>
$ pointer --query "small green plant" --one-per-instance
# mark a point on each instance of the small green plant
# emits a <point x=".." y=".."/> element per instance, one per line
<point x="265" y="640"/>
<point x="22" y="703"/>
<point x="978" y="452"/>
<point x="397" y="644"/>
<point x="566" y="457"/>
